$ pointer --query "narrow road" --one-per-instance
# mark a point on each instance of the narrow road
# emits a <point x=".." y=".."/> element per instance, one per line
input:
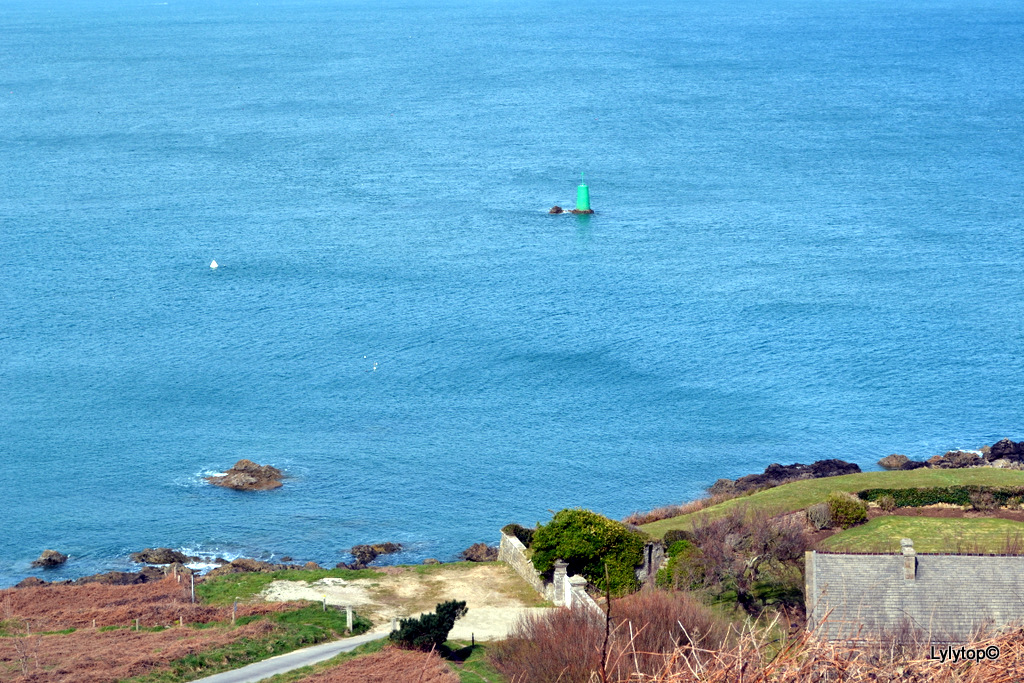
<point x="253" y="673"/>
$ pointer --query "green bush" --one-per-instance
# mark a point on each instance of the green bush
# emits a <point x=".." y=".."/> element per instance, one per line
<point x="590" y="544"/>
<point x="673" y="535"/>
<point x="524" y="535"/>
<point x="683" y="569"/>
<point x="429" y="631"/>
<point x="820" y="516"/>
<point x="846" y="509"/>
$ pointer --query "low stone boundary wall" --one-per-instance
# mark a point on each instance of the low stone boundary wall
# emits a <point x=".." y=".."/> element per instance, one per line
<point x="564" y="591"/>
<point x="512" y="552"/>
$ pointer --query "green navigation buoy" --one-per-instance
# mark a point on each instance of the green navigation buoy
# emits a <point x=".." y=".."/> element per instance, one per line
<point x="582" y="198"/>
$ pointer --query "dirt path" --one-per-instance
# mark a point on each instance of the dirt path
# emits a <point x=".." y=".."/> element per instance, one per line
<point x="495" y="595"/>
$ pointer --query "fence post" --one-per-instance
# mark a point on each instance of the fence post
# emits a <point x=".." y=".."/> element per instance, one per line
<point x="348" y="617"/>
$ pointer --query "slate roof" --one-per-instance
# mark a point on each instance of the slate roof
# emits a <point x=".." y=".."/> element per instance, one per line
<point x="948" y="597"/>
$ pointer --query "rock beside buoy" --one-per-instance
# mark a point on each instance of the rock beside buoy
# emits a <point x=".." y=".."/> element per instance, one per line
<point x="556" y="209"/>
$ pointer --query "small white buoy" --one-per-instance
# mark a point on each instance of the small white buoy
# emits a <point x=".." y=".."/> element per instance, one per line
<point x="213" y="264"/>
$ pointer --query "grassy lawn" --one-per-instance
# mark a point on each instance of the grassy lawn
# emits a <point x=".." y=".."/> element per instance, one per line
<point x="471" y="663"/>
<point x="930" y="535"/>
<point x="799" y="494"/>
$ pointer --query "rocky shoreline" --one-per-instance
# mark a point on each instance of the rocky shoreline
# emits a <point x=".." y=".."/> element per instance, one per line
<point x="247" y="475"/>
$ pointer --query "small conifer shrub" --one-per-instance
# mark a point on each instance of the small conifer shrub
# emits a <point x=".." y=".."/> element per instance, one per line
<point x="429" y="631"/>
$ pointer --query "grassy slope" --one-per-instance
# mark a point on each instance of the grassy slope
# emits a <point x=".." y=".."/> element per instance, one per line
<point x="799" y="494"/>
<point x="930" y="535"/>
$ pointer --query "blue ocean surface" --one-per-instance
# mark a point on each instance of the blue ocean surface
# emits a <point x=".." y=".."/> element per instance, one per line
<point x="808" y="244"/>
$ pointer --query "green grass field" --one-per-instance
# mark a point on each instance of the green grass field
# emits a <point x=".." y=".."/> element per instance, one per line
<point x="799" y="494"/>
<point x="930" y="535"/>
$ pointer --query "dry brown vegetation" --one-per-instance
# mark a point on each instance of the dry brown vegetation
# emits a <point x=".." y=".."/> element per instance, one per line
<point x="92" y="655"/>
<point x="807" y="660"/>
<point x="161" y="603"/>
<point x="566" y="645"/>
<point x="668" y="511"/>
<point x="390" y="665"/>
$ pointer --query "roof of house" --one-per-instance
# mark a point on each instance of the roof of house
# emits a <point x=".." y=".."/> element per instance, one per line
<point x="947" y="597"/>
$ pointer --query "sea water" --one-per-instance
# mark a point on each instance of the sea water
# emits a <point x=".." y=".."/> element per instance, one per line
<point x="807" y="245"/>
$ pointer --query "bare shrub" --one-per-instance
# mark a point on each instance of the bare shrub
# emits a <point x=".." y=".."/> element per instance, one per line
<point x="647" y="627"/>
<point x="562" y="645"/>
<point x="983" y="501"/>
<point x="737" y="549"/>
<point x="819" y="516"/>
<point x="887" y="503"/>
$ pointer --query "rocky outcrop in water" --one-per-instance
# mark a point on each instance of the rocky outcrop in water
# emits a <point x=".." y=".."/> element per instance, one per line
<point x="776" y="474"/>
<point x="50" y="559"/>
<point x="365" y="554"/>
<point x="894" y="461"/>
<point x="160" y="556"/>
<point x="248" y="476"/>
<point x="556" y="209"/>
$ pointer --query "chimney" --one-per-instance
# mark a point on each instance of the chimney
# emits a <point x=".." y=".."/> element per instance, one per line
<point x="909" y="559"/>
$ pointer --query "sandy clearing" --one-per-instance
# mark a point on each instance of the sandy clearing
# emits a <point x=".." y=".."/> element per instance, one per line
<point x="495" y="596"/>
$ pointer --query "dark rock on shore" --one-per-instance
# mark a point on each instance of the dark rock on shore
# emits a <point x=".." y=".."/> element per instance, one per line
<point x="1006" y="450"/>
<point x="122" y="578"/>
<point x="30" y="582"/>
<point x="49" y="559"/>
<point x="480" y="552"/>
<point x="913" y="465"/>
<point x="246" y="565"/>
<point x="159" y="556"/>
<point x="955" y="460"/>
<point x="776" y="474"/>
<point x="248" y="476"/>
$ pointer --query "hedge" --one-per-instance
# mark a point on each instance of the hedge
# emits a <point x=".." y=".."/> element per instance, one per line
<point x="954" y="495"/>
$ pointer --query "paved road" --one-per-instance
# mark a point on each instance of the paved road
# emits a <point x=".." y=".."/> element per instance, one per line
<point x="292" y="660"/>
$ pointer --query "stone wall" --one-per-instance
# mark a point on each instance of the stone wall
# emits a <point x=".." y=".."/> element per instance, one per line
<point x="512" y="552"/>
<point x="946" y="597"/>
<point x="564" y="590"/>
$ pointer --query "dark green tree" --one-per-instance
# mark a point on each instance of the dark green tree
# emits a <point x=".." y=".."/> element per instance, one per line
<point x="429" y="631"/>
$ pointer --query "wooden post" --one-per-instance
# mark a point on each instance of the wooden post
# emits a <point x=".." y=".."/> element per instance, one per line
<point x="181" y="621"/>
<point x="348" y="618"/>
<point x="136" y="624"/>
<point x="94" y="623"/>
<point x="193" y="589"/>
<point x="234" y="611"/>
<point x="325" y="603"/>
